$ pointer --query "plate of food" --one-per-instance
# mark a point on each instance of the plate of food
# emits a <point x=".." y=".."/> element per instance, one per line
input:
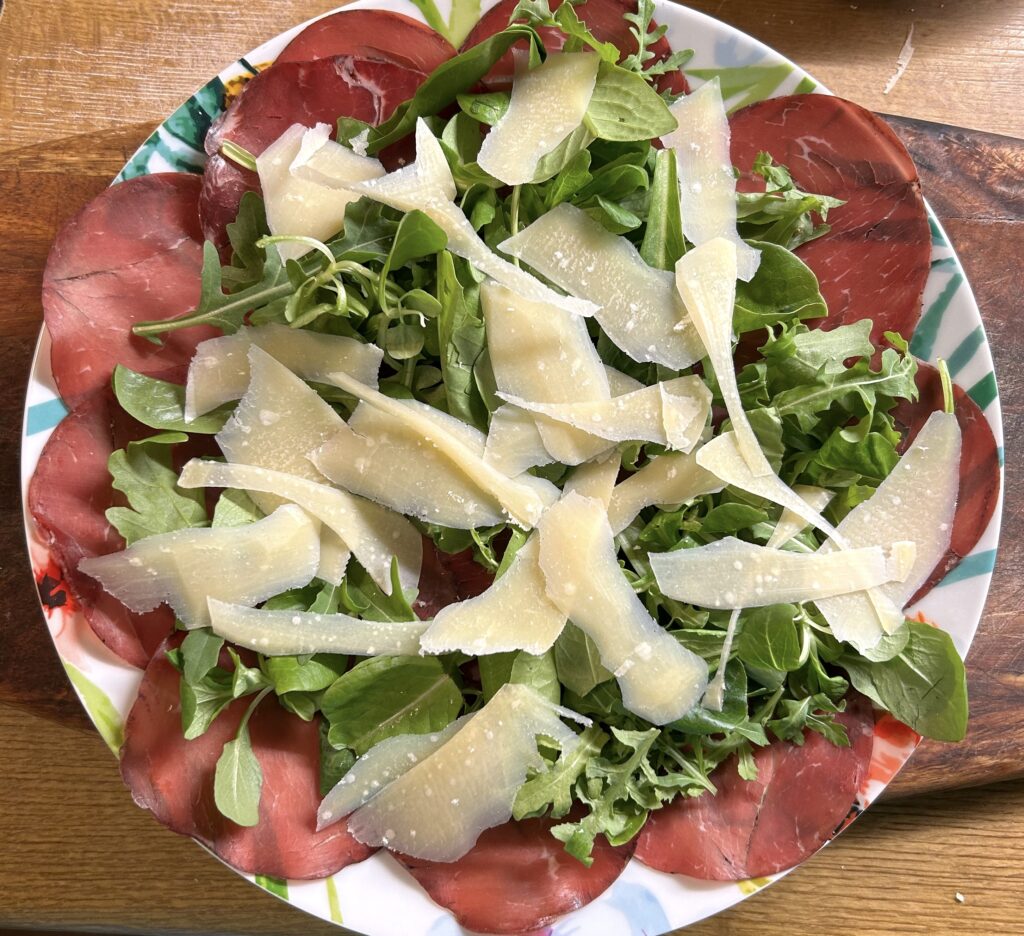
<point x="535" y="471"/>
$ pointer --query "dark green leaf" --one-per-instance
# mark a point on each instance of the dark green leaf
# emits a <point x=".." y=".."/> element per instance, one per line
<point x="770" y="638"/>
<point x="782" y="290"/>
<point x="200" y="651"/>
<point x="462" y="339"/>
<point x="578" y="662"/>
<point x="291" y="674"/>
<point x="663" y="242"/>
<point x="161" y="405"/>
<point x="554" y="787"/>
<point x="487" y="108"/>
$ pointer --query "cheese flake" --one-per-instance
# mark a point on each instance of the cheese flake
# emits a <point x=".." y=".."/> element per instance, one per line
<point x="547" y="103"/>
<point x="707" y="186"/>
<point x="659" y="678"/>
<point x="244" y="565"/>
<point x="373" y="533"/>
<point x="438" y="808"/>
<point x="514" y="444"/>
<point x="427" y="185"/>
<point x="513" y="614"/>
<point x="291" y="633"/>
<point x="300" y="204"/>
<point x="791" y="524"/>
<point x="638" y="306"/>
<point x="917" y="501"/>
<point x="219" y="370"/>
<point x="730" y="573"/>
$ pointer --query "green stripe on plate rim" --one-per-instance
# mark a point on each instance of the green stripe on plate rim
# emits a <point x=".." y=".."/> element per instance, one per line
<point x="101" y="710"/>
<point x="333" y="904"/>
<point x="277" y="886"/>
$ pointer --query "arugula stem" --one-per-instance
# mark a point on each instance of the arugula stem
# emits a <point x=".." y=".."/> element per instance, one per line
<point x="948" y="399"/>
<point x="513" y="220"/>
<point x="252" y="708"/>
<point x="238" y="155"/>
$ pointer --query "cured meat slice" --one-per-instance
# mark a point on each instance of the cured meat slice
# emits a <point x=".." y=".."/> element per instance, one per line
<point x="606" y="22"/>
<point x="979" y="466"/>
<point x="306" y="93"/>
<point x="437" y="586"/>
<point x="517" y="878"/>
<point x="875" y="260"/>
<point x="373" y="34"/>
<point x="67" y="497"/>
<point x="173" y="778"/>
<point x="751" y="829"/>
<point x="134" y="253"/>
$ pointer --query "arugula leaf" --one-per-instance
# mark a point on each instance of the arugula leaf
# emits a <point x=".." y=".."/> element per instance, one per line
<point x="771" y="638"/>
<point x="625" y="107"/>
<point x="924" y="686"/>
<point x="142" y="472"/>
<point x="293" y="674"/>
<point x="245" y="680"/>
<point x="235" y="508"/>
<point x="646" y="36"/>
<point x="247" y="259"/>
<point x="358" y="594"/>
<point x="733" y="716"/>
<point x="450" y="79"/>
<point x="563" y="155"/>
<point x="460" y="327"/>
<point x="554" y="787"/>
<point x="238" y="778"/>
<point x="783" y="289"/>
<point x="334" y="762"/>
<point x="487" y="108"/>
<point x="577" y="661"/>
<point x="200" y="651"/>
<point x="161" y="405"/>
<point x="389" y="695"/>
<point x="518" y="666"/>
<point x="203" y="701"/>
<point x="663" y="242"/>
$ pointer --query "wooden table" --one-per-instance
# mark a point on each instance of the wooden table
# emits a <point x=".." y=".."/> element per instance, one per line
<point x="82" y="83"/>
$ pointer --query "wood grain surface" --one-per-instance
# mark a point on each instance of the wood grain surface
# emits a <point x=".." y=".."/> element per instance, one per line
<point x="82" y="84"/>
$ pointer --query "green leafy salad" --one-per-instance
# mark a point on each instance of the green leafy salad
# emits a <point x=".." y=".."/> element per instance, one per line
<point x="474" y="368"/>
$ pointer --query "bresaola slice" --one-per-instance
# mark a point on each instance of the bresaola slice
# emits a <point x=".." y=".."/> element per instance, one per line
<point x="750" y="829"/>
<point x="605" y="19"/>
<point x="874" y="262"/>
<point x="306" y="93"/>
<point x="67" y="497"/>
<point x="518" y="878"/>
<point x="979" y="466"/>
<point x="173" y="778"/>
<point x="372" y="34"/>
<point x="133" y="253"/>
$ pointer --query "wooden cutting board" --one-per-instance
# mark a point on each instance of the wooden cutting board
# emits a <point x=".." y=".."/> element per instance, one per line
<point x="975" y="183"/>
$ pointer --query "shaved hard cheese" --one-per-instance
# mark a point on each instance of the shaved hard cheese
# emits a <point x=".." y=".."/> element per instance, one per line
<point x="374" y="534"/>
<point x="639" y="309"/>
<point x="619" y="383"/>
<point x="721" y="456"/>
<point x="596" y="479"/>
<point x="544" y="354"/>
<point x="427" y="185"/>
<point x="548" y="102"/>
<point x="438" y="809"/>
<point x="707" y="186"/>
<point x="513" y="614"/>
<point x="245" y="565"/>
<point x="514" y="443"/>
<point x="669" y="479"/>
<point x="219" y="370"/>
<point x="790" y="524"/>
<point x="329" y="164"/>
<point x="671" y="413"/>
<point x="385" y="761"/>
<point x="519" y="500"/>
<point x="660" y="679"/>
<point x="300" y="205"/>
<point x="277" y="423"/>
<point x="706" y="280"/>
<point x="292" y="633"/>
<point x="730" y="573"/>
<point x="917" y="501"/>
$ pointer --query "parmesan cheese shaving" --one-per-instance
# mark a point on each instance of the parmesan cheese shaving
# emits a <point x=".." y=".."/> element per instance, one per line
<point x="639" y="309"/>
<point x="291" y="633"/>
<point x="219" y="370"/>
<point x="513" y="614"/>
<point x="790" y="524"/>
<point x="547" y="104"/>
<point x="427" y="185"/>
<point x="385" y="761"/>
<point x="706" y="280"/>
<point x="670" y="479"/>
<point x="659" y="678"/>
<point x="519" y="500"/>
<point x="596" y="479"/>
<point x="298" y="204"/>
<point x="672" y="413"/>
<point x="514" y="444"/>
<point x="244" y="565"/>
<point x="721" y="456"/>
<point x="374" y="534"/>
<point x="277" y="423"/>
<point x="917" y="501"/>
<point x="730" y="573"/>
<point x="707" y="186"/>
<point x="438" y="808"/>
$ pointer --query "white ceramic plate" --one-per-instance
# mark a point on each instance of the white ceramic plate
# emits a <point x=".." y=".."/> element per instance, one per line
<point x="378" y="897"/>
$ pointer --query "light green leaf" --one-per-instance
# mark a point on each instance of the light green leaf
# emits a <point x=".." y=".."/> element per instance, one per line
<point x="625" y="107"/>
